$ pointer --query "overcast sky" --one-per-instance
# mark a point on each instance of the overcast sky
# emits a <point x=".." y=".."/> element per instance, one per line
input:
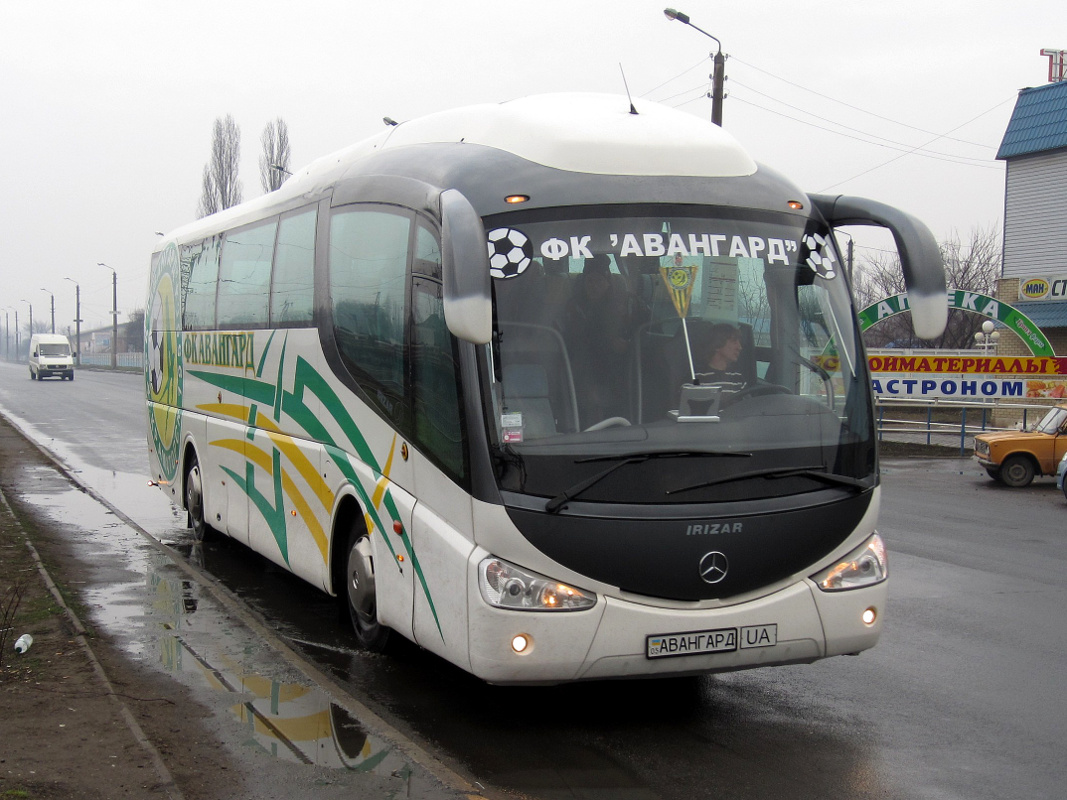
<point x="106" y="107"/>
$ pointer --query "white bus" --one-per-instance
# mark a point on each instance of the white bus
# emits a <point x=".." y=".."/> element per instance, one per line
<point x="468" y="377"/>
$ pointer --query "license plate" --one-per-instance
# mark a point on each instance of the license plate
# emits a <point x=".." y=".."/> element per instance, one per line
<point x="721" y="640"/>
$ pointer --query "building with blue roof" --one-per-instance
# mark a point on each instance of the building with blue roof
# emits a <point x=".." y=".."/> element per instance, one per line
<point x="1034" y="148"/>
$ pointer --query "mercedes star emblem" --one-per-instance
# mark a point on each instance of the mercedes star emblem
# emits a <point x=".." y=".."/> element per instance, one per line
<point x="713" y="567"/>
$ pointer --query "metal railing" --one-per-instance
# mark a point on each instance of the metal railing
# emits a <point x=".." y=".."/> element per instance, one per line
<point x="898" y="422"/>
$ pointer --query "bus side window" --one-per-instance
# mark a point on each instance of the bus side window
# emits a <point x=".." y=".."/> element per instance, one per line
<point x="368" y="286"/>
<point x="200" y="272"/>
<point x="244" y="276"/>
<point x="292" y="286"/>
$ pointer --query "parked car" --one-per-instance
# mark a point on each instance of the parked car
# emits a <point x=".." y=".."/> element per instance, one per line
<point x="1060" y="475"/>
<point x="1015" y="457"/>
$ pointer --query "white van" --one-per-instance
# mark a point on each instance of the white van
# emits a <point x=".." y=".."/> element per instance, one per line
<point x="50" y="355"/>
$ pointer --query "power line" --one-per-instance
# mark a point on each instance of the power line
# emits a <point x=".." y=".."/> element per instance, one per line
<point x="897" y="158"/>
<point x="857" y="108"/>
<point x="676" y="77"/>
<point x="847" y="127"/>
<point x="904" y="149"/>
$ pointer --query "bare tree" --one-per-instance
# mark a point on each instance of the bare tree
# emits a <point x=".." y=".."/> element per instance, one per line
<point x="974" y="266"/>
<point x="222" y="186"/>
<point x="274" y="163"/>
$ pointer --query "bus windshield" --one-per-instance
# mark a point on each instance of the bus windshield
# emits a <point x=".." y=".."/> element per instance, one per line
<point x="681" y="356"/>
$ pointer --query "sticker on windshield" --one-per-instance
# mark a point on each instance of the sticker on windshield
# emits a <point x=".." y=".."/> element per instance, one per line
<point x="511" y="427"/>
<point x="510" y="253"/>
<point x="820" y="255"/>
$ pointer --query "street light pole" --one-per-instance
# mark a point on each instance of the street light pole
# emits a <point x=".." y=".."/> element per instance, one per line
<point x="77" y="318"/>
<point x="114" y="315"/>
<point x="53" y="308"/>
<point x="27" y="302"/>
<point x="718" y="78"/>
<point x="7" y="329"/>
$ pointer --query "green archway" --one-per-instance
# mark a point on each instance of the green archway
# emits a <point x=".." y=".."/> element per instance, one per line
<point x="1009" y="316"/>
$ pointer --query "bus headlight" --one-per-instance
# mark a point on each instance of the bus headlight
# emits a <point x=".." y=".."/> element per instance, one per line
<point x="506" y="586"/>
<point x="864" y="566"/>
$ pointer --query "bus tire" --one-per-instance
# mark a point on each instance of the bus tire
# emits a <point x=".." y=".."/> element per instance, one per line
<point x="360" y="594"/>
<point x="194" y="500"/>
<point x="1017" y="471"/>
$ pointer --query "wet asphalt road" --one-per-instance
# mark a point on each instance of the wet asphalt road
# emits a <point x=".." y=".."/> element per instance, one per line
<point x="963" y="697"/>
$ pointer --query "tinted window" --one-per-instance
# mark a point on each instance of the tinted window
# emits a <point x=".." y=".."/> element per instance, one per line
<point x="293" y="285"/>
<point x="438" y="426"/>
<point x="244" y="276"/>
<point x="200" y="272"/>
<point x="368" y="280"/>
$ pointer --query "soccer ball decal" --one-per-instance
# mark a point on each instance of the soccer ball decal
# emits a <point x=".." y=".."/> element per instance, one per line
<point x="820" y="256"/>
<point x="510" y="253"/>
<point x="156" y="342"/>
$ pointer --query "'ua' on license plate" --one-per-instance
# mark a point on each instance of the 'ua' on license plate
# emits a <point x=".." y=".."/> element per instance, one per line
<point x="688" y="644"/>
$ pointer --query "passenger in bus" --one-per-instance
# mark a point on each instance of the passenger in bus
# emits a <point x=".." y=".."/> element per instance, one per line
<point x="597" y="328"/>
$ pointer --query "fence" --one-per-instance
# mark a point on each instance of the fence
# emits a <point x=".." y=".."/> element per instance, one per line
<point x="125" y="360"/>
<point x="939" y="421"/>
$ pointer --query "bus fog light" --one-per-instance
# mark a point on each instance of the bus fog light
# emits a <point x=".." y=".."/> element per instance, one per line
<point x="521" y="643"/>
<point x="864" y="566"/>
<point x="869" y="616"/>
<point x="504" y="585"/>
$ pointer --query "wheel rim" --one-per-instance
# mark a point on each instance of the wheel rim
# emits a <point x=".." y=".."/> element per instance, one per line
<point x="194" y="498"/>
<point x="361" y="584"/>
<point x="1016" y="472"/>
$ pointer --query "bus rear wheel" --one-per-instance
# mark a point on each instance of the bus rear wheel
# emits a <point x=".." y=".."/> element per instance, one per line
<point x="194" y="500"/>
<point x="362" y="599"/>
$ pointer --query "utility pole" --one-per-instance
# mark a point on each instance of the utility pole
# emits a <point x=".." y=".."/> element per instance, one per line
<point x="77" y="317"/>
<point x="718" y="77"/>
<point x="114" y="315"/>
<point x="53" y="309"/>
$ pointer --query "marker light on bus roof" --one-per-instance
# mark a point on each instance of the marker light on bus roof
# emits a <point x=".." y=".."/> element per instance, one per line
<point x="515" y="199"/>
<point x="796" y="205"/>
<point x="506" y="586"/>
<point x="864" y="566"/>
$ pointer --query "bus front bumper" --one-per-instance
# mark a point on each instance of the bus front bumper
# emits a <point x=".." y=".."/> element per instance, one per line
<point x="622" y="638"/>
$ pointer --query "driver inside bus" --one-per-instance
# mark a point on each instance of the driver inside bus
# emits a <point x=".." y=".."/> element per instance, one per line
<point x="716" y="354"/>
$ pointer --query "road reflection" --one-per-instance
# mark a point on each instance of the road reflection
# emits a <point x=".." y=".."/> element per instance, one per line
<point x="154" y="610"/>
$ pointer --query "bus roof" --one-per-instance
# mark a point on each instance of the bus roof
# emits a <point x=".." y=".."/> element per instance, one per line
<point x="595" y="134"/>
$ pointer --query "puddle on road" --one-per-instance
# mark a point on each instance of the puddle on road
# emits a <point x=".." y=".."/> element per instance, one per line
<point x="158" y="615"/>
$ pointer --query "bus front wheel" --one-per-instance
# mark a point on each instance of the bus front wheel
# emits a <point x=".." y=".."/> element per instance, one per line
<point x="362" y="601"/>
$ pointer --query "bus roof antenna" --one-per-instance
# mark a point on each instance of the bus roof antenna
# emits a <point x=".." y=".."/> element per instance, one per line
<point x="627" y="87"/>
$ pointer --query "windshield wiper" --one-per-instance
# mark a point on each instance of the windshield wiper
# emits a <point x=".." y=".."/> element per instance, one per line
<point x="553" y="505"/>
<point x="815" y="471"/>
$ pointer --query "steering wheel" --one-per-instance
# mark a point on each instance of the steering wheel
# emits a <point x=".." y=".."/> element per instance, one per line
<point x="755" y="390"/>
<point x="610" y="422"/>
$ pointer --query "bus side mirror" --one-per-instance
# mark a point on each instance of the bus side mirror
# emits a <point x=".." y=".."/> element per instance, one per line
<point x="920" y="257"/>
<point x="465" y="270"/>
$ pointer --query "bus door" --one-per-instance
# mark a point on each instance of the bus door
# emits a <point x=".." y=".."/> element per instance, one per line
<point x="441" y="536"/>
